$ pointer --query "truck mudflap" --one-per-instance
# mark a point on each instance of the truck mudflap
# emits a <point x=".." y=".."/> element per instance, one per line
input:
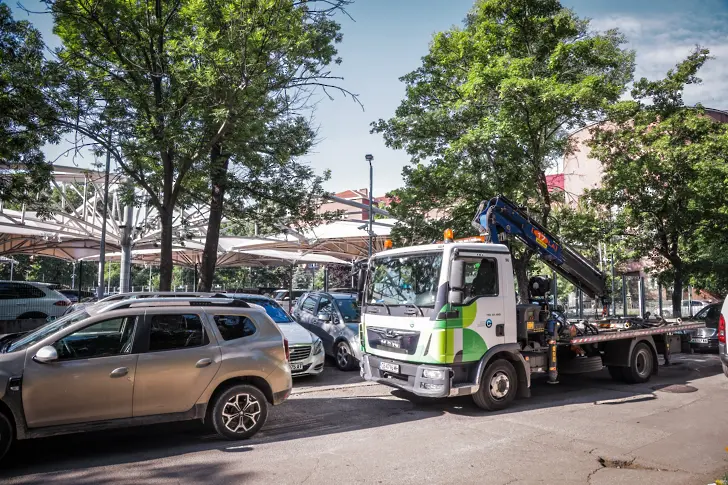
<point x="420" y="379"/>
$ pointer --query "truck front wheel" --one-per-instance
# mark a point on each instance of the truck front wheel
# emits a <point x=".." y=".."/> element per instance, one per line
<point x="498" y="386"/>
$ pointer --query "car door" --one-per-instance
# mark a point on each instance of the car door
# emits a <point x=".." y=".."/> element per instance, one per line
<point x="92" y="379"/>
<point x="327" y="327"/>
<point x="303" y="313"/>
<point x="180" y="360"/>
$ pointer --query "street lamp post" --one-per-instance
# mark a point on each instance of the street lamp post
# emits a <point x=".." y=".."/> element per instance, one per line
<point x="369" y="159"/>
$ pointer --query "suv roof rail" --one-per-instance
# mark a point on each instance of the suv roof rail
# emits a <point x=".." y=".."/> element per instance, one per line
<point x="184" y="301"/>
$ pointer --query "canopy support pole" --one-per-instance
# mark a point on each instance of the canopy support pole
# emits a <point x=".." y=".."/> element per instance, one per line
<point x="125" y="270"/>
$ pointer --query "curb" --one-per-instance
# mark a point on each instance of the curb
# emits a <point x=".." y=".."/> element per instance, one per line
<point x="332" y="387"/>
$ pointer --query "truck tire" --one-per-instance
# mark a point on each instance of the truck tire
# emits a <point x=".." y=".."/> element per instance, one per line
<point x="7" y="434"/>
<point x="616" y="373"/>
<point x="498" y="386"/>
<point x="641" y="365"/>
<point x="239" y="412"/>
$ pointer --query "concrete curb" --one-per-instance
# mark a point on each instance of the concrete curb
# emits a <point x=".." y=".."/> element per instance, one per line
<point x="332" y="387"/>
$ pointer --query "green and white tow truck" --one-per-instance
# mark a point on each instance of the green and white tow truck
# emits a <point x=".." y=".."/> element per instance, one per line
<point x="442" y="320"/>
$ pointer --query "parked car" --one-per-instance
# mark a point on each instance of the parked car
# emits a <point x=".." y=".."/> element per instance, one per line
<point x="142" y="294"/>
<point x="706" y="338"/>
<point x="344" y="290"/>
<point x="695" y="305"/>
<point x="334" y="318"/>
<point x="141" y="362"/>
<point x="74" y="296"/>
<point x="307" y="351"/>
<point x="20" y="300"/>
<point x="722" y="347"/>
<point x="283" y="295"/>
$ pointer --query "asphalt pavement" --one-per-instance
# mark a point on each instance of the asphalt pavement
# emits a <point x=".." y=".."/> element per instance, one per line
<point x="337" y="429"/>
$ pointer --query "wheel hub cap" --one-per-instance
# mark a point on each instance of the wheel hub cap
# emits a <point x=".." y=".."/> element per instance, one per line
<point x="241" y="413"/>
<point x="499" y="385"/>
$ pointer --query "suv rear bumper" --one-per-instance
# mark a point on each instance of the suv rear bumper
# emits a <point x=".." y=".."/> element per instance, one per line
<point x="411" y="377"/>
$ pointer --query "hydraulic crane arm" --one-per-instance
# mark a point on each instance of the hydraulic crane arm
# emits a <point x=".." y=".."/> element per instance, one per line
<point x="499" y="216"/>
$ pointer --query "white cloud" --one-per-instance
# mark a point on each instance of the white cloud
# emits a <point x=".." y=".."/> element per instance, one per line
<point x="662" y="40"/>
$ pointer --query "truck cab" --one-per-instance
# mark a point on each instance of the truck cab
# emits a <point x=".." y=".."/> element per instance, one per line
<point x="434" y="316"/>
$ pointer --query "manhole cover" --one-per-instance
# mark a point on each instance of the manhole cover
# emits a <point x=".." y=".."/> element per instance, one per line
<point x="676" y="388"/>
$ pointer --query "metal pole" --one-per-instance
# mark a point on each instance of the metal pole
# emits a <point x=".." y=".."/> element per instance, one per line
<point x="555" y="290"/>
<point x="641" y="295"/>
<point x="80" y="275"/>
<point x="12" y="269"/>
<point x="614" y="303"/>
<point x="659" y="298"/>
<point x="326" y="279"/>
<point x="624" y="295"/>
<point x="690" y="300"/>
<point x="194" y="286"/>
<point x="150" y="277"/>
<point x="581" y="305"/>
<point x="102" y="246"/>
<point x="369" y="159"/>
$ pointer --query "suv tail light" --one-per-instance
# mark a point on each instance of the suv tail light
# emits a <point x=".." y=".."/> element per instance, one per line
<point x="721" y="329"/>
<point x="287" y="348"/>
<point x="62" y="303"/>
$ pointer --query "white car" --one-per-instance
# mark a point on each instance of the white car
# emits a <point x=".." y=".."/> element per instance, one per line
<point x="307" y="350"/>
<point x="20" y="300"/>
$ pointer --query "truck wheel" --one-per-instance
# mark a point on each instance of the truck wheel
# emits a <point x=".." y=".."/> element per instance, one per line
<point x="6" y="434"/>
<point x="616" y="373"/>
<point x="239" y="412"/>
<point x="641" y="365"/>
<point x="498" y="386"/>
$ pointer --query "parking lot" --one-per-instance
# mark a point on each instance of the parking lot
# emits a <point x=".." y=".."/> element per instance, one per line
<point x="336" y="428"/>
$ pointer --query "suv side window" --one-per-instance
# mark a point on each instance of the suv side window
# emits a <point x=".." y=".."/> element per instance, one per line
<point x="169" y="332"/>
<point x="234" y="326"/>
<point x="102" y="339"/>
<point x="309" y="304"/>
<point x="481" y="277"/>
<point x="28" y="291"/>
<point x="8" y="291"/>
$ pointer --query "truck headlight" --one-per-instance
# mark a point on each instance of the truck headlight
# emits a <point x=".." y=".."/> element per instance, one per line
<point x="436" y="374"/>
<point x="318" y="347"/>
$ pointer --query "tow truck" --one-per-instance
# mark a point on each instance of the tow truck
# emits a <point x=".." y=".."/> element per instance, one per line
<point x="442" y="320"/>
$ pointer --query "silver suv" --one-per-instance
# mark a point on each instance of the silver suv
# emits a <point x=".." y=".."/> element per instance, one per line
<point x="138" y="362"/>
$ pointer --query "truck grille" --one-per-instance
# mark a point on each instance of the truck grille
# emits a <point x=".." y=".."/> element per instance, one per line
<point x="300" y="352"/>
<point x="391" y="340"/>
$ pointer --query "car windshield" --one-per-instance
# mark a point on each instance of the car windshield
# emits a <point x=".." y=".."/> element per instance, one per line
<point x="40" y="333"/>
<point x="401" y="280"/>
<point x="272" y="308"/>
<point x="349" y="309"/>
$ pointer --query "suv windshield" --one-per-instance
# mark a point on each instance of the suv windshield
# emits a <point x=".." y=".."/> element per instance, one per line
<point x="401" y="280"/>
<point x="47" y="329"/>
<point x="349" y="310"/>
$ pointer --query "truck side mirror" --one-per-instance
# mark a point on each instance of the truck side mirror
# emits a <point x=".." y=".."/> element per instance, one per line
<point x="457" y="275"/>
<point x="455" y="297"/>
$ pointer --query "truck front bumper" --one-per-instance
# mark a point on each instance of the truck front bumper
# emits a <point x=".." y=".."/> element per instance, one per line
<point x="420" y="379"/>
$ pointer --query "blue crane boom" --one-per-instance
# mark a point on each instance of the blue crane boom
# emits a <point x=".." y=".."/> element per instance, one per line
<point x="499" y="217"/>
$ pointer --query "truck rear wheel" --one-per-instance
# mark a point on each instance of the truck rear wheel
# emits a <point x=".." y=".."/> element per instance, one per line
<point x="498" y="386"/>
<point x="641" y="365"/>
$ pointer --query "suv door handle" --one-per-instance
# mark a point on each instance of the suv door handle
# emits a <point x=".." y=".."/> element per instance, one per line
<point x="203" y="363"/>
<point x="120" y="372"/>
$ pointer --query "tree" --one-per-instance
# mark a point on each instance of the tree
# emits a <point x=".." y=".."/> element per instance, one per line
<point x="665" y="172"/>
<point x="24" y="78"/>
<point x="490" y="108"/>
<point x="173" y="89"/>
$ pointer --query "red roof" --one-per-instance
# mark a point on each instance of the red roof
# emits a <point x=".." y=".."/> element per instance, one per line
<point x="555" y="181"/>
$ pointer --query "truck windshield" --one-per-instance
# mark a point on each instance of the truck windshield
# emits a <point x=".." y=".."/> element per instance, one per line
<point x="403" y="280"/>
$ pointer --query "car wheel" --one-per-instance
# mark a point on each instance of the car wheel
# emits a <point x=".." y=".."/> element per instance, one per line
<point x="345" y="359"/>
<point x="616" y="373"/>
<point x="498" y="386"/>
<point x="6" y="434"/>
<point x="239" y="412"/>
<point x="641" y="365"/>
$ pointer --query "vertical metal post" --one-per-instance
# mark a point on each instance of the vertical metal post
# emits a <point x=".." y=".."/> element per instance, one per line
<point x="624" y="295"/>
<point x="80" y="275"/>
<point x="290" y="290"/>
<point x="580" y="302"/>
<point x="150" y="277"/>
<point x="326" y="279"/>
<point x="73" y="276"/>
<point x="102" y="246"/>
<point x="108" y="279"/>
<point x="690" y="300"/>
<point x="555" y="289"/>
<point x="12" y="269"/>
<point x="641" y="295"/>
<point x="614" y="303"/>
<point x="194" y="285"/>
<point x="369" y="159"/>
<point x="659" y="298"/>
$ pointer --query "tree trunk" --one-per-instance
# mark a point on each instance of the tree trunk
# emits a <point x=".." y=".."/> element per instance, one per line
<point x="218" y="176"/>
<point x="165" y="256"/>
<point x="520" y="268"/>
<point x="677" y="287"/>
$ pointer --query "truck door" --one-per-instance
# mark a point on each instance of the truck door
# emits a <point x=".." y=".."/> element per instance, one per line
<point x="481" y="315"/>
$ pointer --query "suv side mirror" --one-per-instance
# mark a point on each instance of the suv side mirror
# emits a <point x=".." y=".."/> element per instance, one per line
<point x="46" y="354"/>
<point x="324" y="317"/>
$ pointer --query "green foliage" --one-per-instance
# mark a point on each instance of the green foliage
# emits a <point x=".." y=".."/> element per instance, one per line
<point x="665" y="173"/>
<point x="24" y="77"/>
<point x="489" y="110"/>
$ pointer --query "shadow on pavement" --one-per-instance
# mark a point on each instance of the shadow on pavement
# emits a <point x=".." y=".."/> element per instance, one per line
<point x="155" y="452"/>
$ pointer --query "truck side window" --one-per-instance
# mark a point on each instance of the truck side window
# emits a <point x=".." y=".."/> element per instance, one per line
<point x="481" y="278"/>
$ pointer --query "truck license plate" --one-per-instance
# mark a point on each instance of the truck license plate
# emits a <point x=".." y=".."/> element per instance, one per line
<point x="296" y="367"/>
<point x="390" y="343"/>
<point x="386" y="366"/>
<point x="699" y="340"/>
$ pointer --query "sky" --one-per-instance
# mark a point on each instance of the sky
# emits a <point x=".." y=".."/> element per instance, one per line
<point x="385" y="39"/>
